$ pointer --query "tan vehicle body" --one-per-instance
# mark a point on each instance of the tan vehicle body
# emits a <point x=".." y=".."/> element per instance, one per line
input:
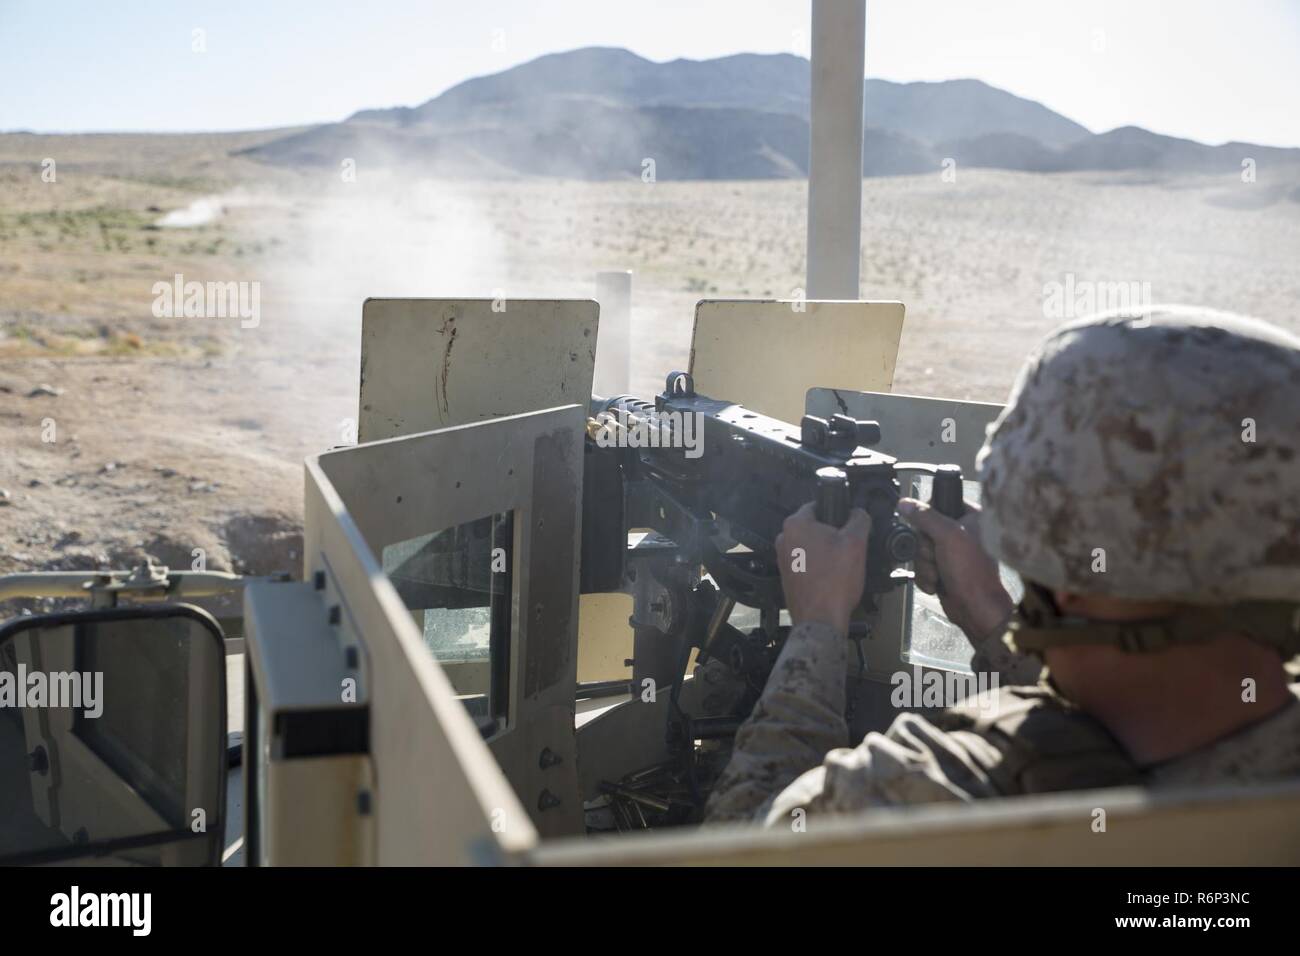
<point x="468" y="410"/>
<point x="444" y="795"/>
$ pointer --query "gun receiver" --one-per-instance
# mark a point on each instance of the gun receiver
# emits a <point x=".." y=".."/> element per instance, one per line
<point x="710" y="475"/>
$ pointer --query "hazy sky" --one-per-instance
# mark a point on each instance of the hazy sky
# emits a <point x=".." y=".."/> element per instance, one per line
<point x="1213" y="70"/>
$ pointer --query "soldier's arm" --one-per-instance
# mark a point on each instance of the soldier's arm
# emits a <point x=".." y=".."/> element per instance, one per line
<point x="792" y="758"/>
<point x="912" y="762"/>
<point x="952" y="563"/>
<point x="800" y="715"/>
<point x="797" y="720"/>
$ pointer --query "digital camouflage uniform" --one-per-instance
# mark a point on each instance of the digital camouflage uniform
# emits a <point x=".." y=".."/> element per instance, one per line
<point x="1171" y="443"/>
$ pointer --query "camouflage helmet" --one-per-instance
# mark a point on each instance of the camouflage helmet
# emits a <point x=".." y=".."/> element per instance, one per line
<point x="1152" y="458"/>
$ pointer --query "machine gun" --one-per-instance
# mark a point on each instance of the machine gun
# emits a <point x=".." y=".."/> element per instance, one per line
<point x="683" y="500"/>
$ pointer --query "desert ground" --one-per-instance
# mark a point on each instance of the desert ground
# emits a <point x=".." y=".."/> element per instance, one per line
<point x="123" y="434"/>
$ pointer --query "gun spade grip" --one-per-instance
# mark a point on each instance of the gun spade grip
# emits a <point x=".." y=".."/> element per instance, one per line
<point x="946" y="492"/>
<point x="832" y="496"/>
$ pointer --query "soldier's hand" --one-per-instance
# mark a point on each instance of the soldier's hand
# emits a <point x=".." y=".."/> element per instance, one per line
<point x="823" y="569"/>
<point x="950" y="560"/>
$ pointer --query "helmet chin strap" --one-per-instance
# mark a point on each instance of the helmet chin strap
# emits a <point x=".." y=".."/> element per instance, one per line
<point x="1038" y="624"/>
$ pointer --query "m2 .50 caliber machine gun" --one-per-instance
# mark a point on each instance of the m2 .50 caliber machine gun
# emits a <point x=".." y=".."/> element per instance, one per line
<point x="683" y="500"/>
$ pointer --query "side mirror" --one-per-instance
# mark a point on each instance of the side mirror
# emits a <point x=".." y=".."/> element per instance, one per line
<point x="113" y="737"/>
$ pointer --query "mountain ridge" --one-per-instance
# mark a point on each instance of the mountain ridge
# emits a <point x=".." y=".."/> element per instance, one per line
<point x="600" y="112"/>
